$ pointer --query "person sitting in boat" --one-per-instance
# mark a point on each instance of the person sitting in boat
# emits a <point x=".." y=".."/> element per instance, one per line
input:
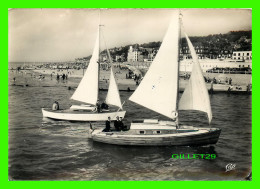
<point x="55" y="106"/>
<point x="116" y="123"/>
<point x="98" y="107"/>
<point x="107" y="129"/>
<point x="122" y="127"/>
<point x="104" y="106"/>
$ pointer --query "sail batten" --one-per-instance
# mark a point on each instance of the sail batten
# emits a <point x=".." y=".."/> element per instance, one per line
<point x="195" y="95"/>
<point x="87" y="90"/>
<point x="158" y="90"/>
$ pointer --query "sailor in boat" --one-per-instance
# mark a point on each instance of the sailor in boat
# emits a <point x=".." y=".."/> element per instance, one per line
<point x="121" y="125"/>
<point x="98" y="107"/>
<point x="107" y="129"/>
<point x="55" y="106"/>
<point x="116" y="123"/>
<point x="104" y="106"/>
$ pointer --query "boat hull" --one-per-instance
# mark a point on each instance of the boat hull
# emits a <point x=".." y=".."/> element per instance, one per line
<point x="81" y="116"/>
<point x="200" y="138"/>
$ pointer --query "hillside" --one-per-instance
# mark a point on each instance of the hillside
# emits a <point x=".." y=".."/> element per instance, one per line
<point x="215" y="44"/>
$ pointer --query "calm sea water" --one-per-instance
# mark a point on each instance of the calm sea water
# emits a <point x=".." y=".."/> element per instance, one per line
<point x="42" y="149"/>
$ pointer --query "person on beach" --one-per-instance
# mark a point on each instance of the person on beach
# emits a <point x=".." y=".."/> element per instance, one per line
<point x="249" y="87"/>
<point x="214" y="80"/>
<point x="230" y="88"/>
<point x="107" y="129"/>
<point x="230" y="81"/>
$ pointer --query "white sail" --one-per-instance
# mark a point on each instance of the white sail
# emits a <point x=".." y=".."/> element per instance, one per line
<point x="195" y="96"/>
<point x="113" y="97"/>
<point x="87" y="90"/>
<point x="158" y="90"/>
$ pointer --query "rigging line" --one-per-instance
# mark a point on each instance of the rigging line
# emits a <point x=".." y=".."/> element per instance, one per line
<point x="177" y="99"/>
<point x="109" y="56"/>
<point x="111" y="63"/>
<point x="122" y="106"/>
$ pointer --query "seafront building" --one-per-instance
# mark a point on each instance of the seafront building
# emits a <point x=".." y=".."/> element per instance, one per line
<point x="208" y="64"/>
<point x="141" y="54"/>
<point x="225" y="59"/>
<point x="242" y="55"/>
<point x="134" y="55"/>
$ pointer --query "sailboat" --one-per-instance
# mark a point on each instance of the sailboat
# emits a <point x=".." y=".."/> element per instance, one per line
<point x="88" y="93"/>
<point x="159" y="92"/>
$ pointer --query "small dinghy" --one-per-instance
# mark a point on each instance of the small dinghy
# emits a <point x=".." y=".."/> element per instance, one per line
<point x="88" y="92"/>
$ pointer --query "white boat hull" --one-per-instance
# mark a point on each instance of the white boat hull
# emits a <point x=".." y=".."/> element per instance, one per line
<point x="81" y="116"/>
<point x="204" y="136"/>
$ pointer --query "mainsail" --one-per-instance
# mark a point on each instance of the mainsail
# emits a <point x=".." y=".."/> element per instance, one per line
<point x="87" y="90"/>
<point x="195" y="96"/>
<point x="113" y="97"/>
<point x="158" y="90"/>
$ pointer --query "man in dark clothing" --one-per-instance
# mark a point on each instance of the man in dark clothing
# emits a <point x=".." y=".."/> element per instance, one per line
<point x="122" y="127"/>
<point x="107" y="129"/>
<point x="104" y="106"/>
<point x="230" y="81"/>
<point x="116" y="124"/>
<point x="98" y="106"/>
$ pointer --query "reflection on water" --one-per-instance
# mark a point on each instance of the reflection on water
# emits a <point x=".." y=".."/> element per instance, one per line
<point x="43" y="149"/>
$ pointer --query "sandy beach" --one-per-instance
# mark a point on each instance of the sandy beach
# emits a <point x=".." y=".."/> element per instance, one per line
<point x="74" y="76"/>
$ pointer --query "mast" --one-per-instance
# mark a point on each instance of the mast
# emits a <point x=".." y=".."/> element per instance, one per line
<point x="177" y="101"/>
<point x="98" y="60"/>
<point x="99" y="31"/>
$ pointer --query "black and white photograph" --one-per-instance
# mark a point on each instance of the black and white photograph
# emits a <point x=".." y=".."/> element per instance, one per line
<point x="130" y="94"/>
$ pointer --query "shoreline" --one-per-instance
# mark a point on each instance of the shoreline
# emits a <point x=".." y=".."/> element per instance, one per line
<point x="124" y="83"/>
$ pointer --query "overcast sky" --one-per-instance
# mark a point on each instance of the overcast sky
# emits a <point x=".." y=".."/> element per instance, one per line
<point x="66" y="34"/>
